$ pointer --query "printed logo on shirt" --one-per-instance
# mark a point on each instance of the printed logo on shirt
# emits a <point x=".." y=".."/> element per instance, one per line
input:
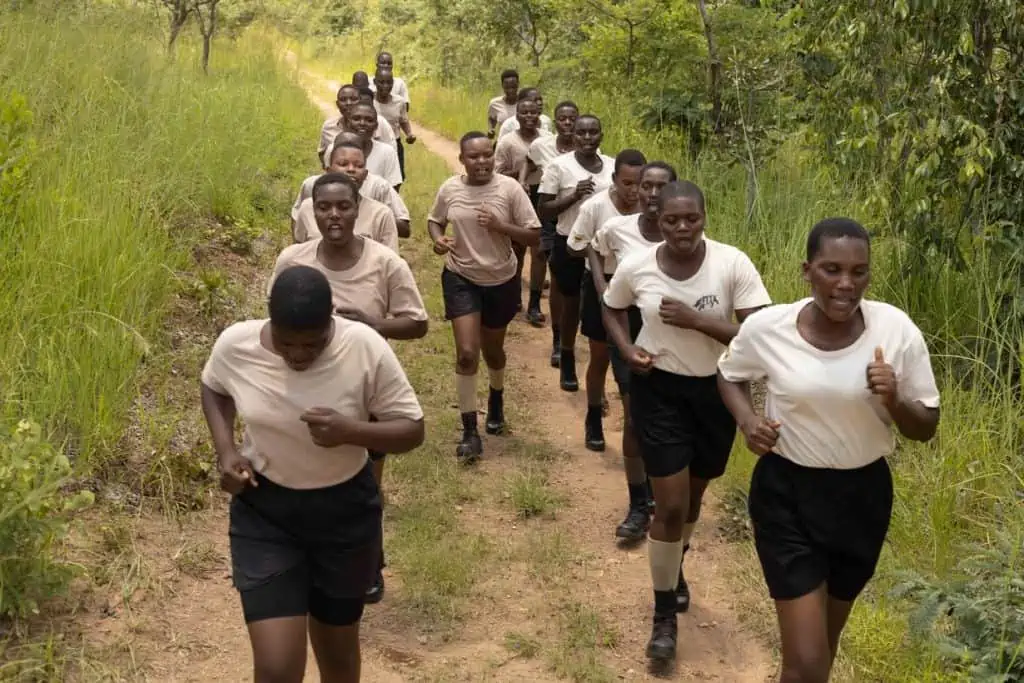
<point x="705" y="302"/>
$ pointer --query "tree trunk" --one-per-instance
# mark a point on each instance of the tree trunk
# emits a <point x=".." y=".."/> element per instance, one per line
<point x="179" y="16"/>
<point x="629" y="52"/>
<point x="714" y="68"/>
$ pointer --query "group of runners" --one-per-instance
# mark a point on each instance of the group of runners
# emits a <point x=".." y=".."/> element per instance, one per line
<point x="683" y="321"/>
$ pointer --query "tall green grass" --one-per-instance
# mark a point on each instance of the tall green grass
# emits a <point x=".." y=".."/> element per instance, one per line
<point x="136" y="158"/>
<point x="953" y="494"/>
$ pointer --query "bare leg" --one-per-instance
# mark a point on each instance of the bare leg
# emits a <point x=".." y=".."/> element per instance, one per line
<point x="278" y="649"/>
<point x="337" y="651"/>
<point x="803" y="624"/>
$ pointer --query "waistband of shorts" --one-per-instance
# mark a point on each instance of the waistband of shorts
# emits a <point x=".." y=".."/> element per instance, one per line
<point x="270" y="485"/>
<point x="667" y="376"/>
<point x="796" y="469"/>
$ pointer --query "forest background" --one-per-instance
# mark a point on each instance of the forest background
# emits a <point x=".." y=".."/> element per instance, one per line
<point x="905" y="114"/>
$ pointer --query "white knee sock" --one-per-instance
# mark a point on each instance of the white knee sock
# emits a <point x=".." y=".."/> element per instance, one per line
<point x="465" y="387"/>
<point x="665" y="558"/>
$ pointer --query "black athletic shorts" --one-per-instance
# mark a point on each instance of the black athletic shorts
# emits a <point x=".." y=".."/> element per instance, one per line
<point x="620" y="368"/>
<point x="681" y="422"/>
<point x="496" y="304"/>
<point x="815" y="525"/>
<point x="591" y="323"/>
<point x="313" y="551"/>
<point x="567" y="269"/>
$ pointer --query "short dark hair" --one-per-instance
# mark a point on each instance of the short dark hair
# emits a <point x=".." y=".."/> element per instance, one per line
<point x="681" y="188"/>
<point x="343" y="143"/>
<point x="834" y="228"/>
<point x="471" y="135"/>
<point x="336" y="179"/>
<point x="509" y="73"/>
<point x="566" y="103"/>
<point x="359" y="75"/>
<point x="346" y="86"/>
<point x="527" y="93"/>
<point x="664" y="166"/>
<point x="584" y="117"/>
<point x="360" y="103"/>
<point x="629" y="157"/>
<point x="382" y="53"/>
<point x="300" y="299"/>
<point x="383" y="72"/>
<point x="366" y="92"/>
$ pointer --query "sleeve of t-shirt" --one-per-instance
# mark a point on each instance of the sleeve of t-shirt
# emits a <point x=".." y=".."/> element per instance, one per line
<point x="748" y="289"/>
<point x="522" y="210"/>
<point x="397" y="205"/>
<point x="282" y="262"/>
<point x="439" y="211"/>
<point x="303" y="194"/>
<point x="506" y="127"/>
<point x="325" y="138"/>
<point x="600" y="241"/>
<point x="404" y="299"/>
<point x="740" y="361"/>
<point x="305" y="213"/>
<point x="391" y="395"/>
<point x="216" y="371"/>
<point x="551" y="181"/>
<point x="503" y="162"/>
<point x="582" y="231"/>
<point x="387" y="231"/>
<point x="916" y="380"/>
<point x="392" y="172"/>
<point x="619" y="294"/>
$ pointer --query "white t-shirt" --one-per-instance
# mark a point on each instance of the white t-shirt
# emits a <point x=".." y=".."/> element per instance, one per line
<point x="544" y="150"/>
<point x="512" y="124"/>
<point x="333" y="126"/>
<point x="383" y="160"/>
<point x="829" y="416"/>
<point x="726" y="281"/>
<point x="561" y="177"/>
<point x="619" y="237"/>
<point x="399" y="89"/>
<point x="595" y="211"/>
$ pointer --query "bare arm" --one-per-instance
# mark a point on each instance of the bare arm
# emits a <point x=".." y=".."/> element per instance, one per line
<point x="616" y="323"/>
<point x="435" y="230"/>
<point x="549" y="206"/>
<point x="596" y="262"/>
<point x="404" y="228"/>
<point x="400" y="328"/>
<point x="527" y="236"/>
<point x="915" y="421"/>
<point x="737" y="398"/>
<point x="219" y="411"/>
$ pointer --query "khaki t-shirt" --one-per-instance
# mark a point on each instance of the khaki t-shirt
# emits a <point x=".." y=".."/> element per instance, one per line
<point x="373" y="187"/>
<point x="399" y="89"/>
<point x="726" y="281"/>
<point x="357" y="375"/>
<point x="394" y="112"/>
<point x="500" y="110"/>
<point x="374" y="221"/>
<point x="482" y="256"/>
<point x="380" y="285"/>
<point x="332" y="127"/>
<point x="512" y="124"/>
<point x="510" y="155"/>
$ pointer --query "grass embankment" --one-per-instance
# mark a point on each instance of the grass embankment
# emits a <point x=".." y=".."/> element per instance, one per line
<point x="142" y="186"/>
<point x="954" y="495"/>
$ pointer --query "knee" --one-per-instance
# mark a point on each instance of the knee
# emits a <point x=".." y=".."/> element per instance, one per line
<point x="286" y="669"/>
<point x="672" y="514"/>
<point x="466" y="360"/>
<point x="807" y="665"/>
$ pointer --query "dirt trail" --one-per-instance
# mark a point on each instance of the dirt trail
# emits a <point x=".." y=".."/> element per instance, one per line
<point x="713" y="645"/>
<point x="189" y="629"/>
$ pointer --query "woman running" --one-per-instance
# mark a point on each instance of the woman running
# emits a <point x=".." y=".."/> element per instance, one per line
<point x="395" y="111"/>
<point x="351" y="161"/>
<point x="840" y="371"/>
<point x="370" y="283"/>
<point x="614" y="242"/>
<point x="567" y="181"/>
<point x="510" y="158"/>
<point x="687" y="289"/>
<point x="348" y="97"/>
<point x="504" y="106"/>
<point x="512" y="124"/>
<point x="381" y="159"/>
<point x="385" y="62"/>
<point x="543" y="151"/>
<point x="619" y="199"/>
<point x="487" y="212"/>
<point x="374" y="220"/>
<point x="305" y="515"/>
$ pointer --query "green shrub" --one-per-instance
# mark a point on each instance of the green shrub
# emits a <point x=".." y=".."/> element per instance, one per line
<point x="33" y="517"/>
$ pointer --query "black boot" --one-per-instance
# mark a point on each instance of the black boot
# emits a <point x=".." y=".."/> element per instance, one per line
<point x="495" y="423"/>
<point x="662" y="645"/>
<point x="556" y="347"/>
<point x="594" y="430"/>
<point x="533" y="314"/>
<point x="568" y="380"/>
<point x="470" y="448"/>
<point x="638" y="519"/>
<point x="683" y="590"/>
